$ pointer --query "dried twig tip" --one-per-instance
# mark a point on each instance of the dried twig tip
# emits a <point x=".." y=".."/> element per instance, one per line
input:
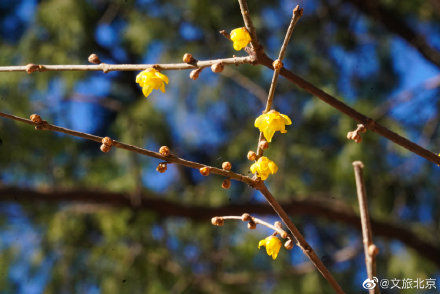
<point x="355" y="135"/>
<point x="217" y="221"/>
<point x="93" y="58"/>
<point x="298" y="10"/>
<point x="358" y="163"/>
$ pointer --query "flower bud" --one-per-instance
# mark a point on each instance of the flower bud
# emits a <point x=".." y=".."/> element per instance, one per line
<point x="217" y="67"/>
<point x="164" y="151"/>
<point x="289" y="244"/>
<point x="188" y="58"/>
<point x="105" y="148"/>
<point x="226" y="165"/>
<point x="246" y="217"/>
<point x="36" y="118"/>
<point x="194" y="75"/>
<point x="30" y="68"/>
<point x="283" y="234"/>
<point x="226" y="184"/>
<point x="373" y="250"/>
<point x="263" y="145"/>
<point x="204" y="171"/>
<point x="93" y="58"/>
<point x="217" y="221"/>
<point x="107" y="141"/>
<point x="251" y="225"/>
<point x="161" y="167"/>
<point x="277" y="64"/>
<point x="252" y="155"/>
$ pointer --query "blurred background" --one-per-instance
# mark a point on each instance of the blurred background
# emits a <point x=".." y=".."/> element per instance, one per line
<point x="76" y="220"/>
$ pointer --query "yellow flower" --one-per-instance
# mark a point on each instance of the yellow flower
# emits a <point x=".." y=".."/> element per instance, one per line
<point x="240" y="37"/>
<point x="270" y="122"/>
<point x="151" y="79"/>
<point x="264" y="167"/>
<point x="272" y="244"/>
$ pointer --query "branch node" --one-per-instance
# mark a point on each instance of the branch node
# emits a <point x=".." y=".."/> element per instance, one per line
<point x="105" y="67"/>
<point x="355" y="135"/>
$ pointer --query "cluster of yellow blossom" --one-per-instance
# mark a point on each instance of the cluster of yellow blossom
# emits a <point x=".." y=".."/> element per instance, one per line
<point x="151" y="79"/>
<point x="270" y="122"/>
<point x="240" y="38"/>
<point x="264" y="167"/>
<point x="272" y="244"/>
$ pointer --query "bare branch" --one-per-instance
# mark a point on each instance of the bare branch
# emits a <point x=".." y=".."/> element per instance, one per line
<point x="357" y="116"/>
<point x="250" y="26"/>
<point x="370" y="248"/>
<point x="301" y="242"/>
<point x="170" y="158"/>
<point x="128" y="67"/>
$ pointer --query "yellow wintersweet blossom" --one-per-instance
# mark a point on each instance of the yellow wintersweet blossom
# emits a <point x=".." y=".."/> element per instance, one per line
<point x="264" y="167"/>
<point x="151" y="79"/>
<point x="240" y="37"/>
<point x="270" y="122"/>
<point x="272" y="244"/>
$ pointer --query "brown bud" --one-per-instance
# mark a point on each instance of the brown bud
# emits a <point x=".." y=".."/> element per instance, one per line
<point x="164" y="151"/>
<point x="263" y="145"/>
<point x="289" y="244"/>
<point x="246" y="217"/>
<point x="204" y="171"/>
<point x="188" y="58"/>
<point x="36" y="118"/>
<point x="30" y="68"/>
<point x="194" y="75"/>
<point x="373" y="250"/>
<point x="226" y="165"/>
<point x="217" y="67"/>
<point x="278" y="225"/>
<point x="283" y="234"/>
<point x="358" y="139"/>
<point x="252" y="155"/>
<point x="252" y="225"/>
<point x="277" y="64"/>
<point x="217" y="221"/>
<point x="161" y="167"/>
<point x="93" y="58"/>
<point x="107" y="141"/>
<point x="105" y="148"/>
<point x="226" y="184"/>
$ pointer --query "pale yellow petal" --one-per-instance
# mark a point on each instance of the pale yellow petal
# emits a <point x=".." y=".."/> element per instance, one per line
<point x="147" y="90"/>
<point x="273" y="167"/>
<point x="262" y="243"/>
<point x="286" y="119"/>
<point x="259" y="121"/>
<point x="268" y="134"/>
<point x="162" y="87"/>
<point x="254" y="167"/>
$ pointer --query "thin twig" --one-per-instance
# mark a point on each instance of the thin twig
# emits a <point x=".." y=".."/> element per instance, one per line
<point x="250" y="26"/>
<point x="246" y="83"/>
<point x="297" y="13"/>
<point x="171" y="158"/>
<point x="367" y="235"/>
<point x="301" y="242"/>
<point x="280" y="231"/>
<point x="357" y="116"/>
<point x="130" y="67"/>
